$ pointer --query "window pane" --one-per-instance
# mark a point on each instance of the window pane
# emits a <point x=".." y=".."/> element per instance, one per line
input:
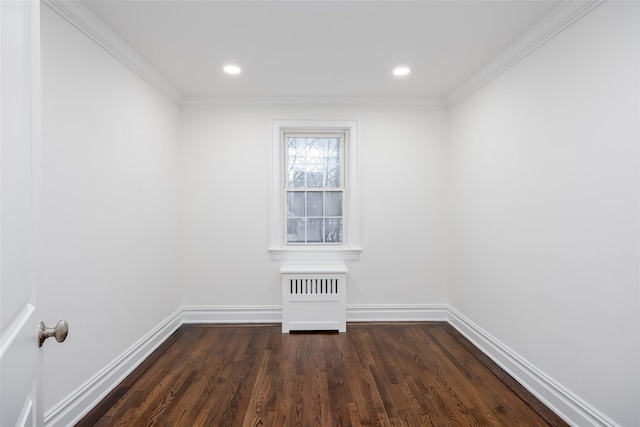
<point x="333" y="230"/>
<point x="315" y="150"/>
<point x="333" y="152"/>
<point x="333" y="203"/>
<point x="296" y="177"/>
<point x="314" y="176"/>
<point x="295" y="162"/>
<point x="314" y="203"/>
<point x="295" y="230"/>
<point x="334" y="175"/>
<point x="295" y="203"/>
<point x="315" y="212"/>
<point x="314" y="230"/>
<point x="296" y="150"/>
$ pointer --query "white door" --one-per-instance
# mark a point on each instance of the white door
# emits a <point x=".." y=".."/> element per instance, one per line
<point x="20" y="401"/>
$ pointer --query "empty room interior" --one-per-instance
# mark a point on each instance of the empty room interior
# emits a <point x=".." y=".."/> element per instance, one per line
<point x="494" y="185"/>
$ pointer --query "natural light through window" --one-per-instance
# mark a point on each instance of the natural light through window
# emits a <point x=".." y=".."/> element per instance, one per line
<point x="315" y="191"/>
<point x="315" y="202"/>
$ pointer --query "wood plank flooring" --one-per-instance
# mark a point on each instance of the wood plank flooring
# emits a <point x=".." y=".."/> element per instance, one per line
<point x="376" y="374"/>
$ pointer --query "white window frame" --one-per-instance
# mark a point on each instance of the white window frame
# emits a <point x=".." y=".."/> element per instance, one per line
<point x="343" y="137"/>
<point x="351" y="248"/>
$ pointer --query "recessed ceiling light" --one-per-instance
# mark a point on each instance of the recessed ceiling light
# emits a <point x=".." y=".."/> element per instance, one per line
<point x="232" y="69"/>
<point x="401" y="71"/>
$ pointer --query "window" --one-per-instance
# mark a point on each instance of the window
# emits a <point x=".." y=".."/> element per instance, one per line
<point x="315" y="201"/>
<point x="314" y="186"/>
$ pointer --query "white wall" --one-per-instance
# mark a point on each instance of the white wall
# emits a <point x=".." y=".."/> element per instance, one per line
<point x="147" y="208"/>
<point x="545" y="184"/>
<point x="112" y="243"/>
<point x="109" y="206"/>
<point x="225" y="189"/>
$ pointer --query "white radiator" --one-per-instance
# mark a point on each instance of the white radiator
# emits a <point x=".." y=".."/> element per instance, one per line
<point x="314" y="297"/>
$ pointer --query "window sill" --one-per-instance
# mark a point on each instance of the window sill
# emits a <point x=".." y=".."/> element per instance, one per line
<point x="314" y="253"/>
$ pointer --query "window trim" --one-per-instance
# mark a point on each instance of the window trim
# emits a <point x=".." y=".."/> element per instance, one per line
<point x="351" y="248"/>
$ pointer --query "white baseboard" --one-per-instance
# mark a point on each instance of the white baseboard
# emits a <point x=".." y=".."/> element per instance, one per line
<point x="70" y="410"/>
<point x="563" y="402"/>
<point x="355" y="313"/>
<point x="232" y="314"/>
<point x="396" y="313"/>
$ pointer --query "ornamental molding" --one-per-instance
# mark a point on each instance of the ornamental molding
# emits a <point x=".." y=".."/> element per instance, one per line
<point x="553" y="24"/>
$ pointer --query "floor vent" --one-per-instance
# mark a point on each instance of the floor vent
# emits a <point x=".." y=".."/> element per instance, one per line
<point x="313" y="297"/>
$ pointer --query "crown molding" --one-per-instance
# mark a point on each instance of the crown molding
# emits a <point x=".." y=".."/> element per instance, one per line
<point x="292" y="102"/>
<point x="84" y="20"/>
<point x="561" y="18"/>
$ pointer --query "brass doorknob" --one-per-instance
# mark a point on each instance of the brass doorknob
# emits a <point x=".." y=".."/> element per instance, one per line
<point x="60" y="332"/>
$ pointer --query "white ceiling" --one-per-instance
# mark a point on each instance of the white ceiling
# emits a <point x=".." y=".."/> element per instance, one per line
<point x="319" y="49"/>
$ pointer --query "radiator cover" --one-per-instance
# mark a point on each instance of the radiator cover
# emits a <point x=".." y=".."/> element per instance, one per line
<point x="314" y="297"/>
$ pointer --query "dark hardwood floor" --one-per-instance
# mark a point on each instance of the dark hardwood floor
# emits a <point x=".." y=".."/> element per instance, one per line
<point x="382" y="374"/>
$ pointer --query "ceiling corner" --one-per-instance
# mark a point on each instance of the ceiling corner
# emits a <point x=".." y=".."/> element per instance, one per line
<point x="565" y="15"/>
<point x="84" y="20"/>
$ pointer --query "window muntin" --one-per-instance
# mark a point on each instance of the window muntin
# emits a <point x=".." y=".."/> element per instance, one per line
<point x="314" y="188"/>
